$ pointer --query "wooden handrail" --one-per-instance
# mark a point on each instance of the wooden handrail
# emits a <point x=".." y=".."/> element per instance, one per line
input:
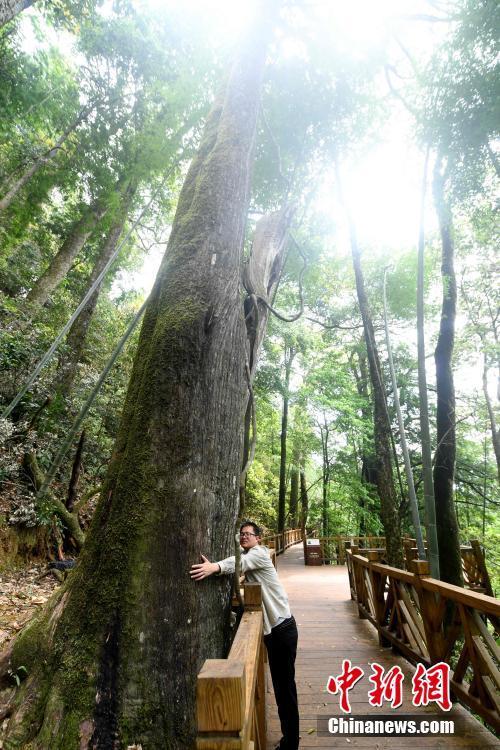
<point x="230" y="693"/>
<point x="339" y="542"/>
<point x="474" y="568"/>
<point x="430" y="621"/>
<point x="281" y="542"/>
<point x="475" y="572"/>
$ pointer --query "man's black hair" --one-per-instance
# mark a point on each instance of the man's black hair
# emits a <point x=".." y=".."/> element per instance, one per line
<point x="256" y="529"/>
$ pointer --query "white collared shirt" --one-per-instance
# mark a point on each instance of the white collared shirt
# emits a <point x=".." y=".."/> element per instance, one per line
<point x="258" y="568"/>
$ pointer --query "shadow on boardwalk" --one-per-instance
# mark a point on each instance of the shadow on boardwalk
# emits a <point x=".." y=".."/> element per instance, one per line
<point x="330" y="631"/>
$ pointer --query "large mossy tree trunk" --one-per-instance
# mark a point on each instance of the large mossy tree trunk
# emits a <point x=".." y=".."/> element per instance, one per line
<point x="113" y="661"/>
<point x="382" y="429"/>
<point x="450" y="563"/>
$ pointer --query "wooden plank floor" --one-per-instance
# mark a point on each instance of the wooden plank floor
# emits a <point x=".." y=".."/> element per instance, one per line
<point x="329" y="631"/>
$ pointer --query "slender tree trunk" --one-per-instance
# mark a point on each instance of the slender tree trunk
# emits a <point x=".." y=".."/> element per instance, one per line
<point x="114" y="662"/>
<point x="495" y="431"/>
<point x="385" y="481"/>
<point x="15" y="184"/>
<point x="77" y="334"/>
<point x="325" y="475"/>
<point x="74" y="429"/>
<point x="304" y="501"/>
<point x="368" y="461"/>
<point x="368" y="464"/>
<point x="423" y="403"/>
<point x="289" y="355"/>
<point x="75" y="474"/>
<point x="294" y="496"/>
<point x="9" y="9"/>
<point x="68" y="543"/>
<point x="450" y="564"/>
<point x="64" y="258"/>
<point x="402" y="436"/>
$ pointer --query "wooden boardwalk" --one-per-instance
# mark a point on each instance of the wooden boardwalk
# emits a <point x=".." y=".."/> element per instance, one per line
<point x="329" y="631"/>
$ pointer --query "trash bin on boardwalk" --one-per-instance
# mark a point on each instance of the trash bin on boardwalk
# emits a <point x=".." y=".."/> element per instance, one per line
<point x="313" y="552"/>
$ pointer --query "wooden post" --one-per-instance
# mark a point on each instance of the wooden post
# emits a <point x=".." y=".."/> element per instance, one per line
<point x="431" y="609"/>
<point x="220" y="698"/>
<point x="359" y="586"/>
<point x="407" y="545"/>
<point x="481" y="564"/>
<point x="272" y="555"/>
<point x="420" y="567"/>
<point x="378" y="585"/>
<point x="348" y="561"/>
<point x="260" y="703"/>
<point x="252" y="593"/>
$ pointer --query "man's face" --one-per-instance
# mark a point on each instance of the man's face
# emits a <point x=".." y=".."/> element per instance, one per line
<point x="248" y="538"/>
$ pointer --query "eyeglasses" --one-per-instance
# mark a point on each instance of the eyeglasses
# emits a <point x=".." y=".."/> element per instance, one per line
<point x="247" y="533"/>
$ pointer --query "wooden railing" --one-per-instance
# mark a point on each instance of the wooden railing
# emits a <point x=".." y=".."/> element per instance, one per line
<point x="281" y="542"/>
<point x="230" y="693"/>
<point x="408" y="609"/>
<point x="474" y="569"/>
<point x="333" y="547"/>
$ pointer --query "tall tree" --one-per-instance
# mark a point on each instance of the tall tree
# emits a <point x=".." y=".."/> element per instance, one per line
<point x="368" y="463"/>
<point x="294" y="495"/>
<point x="495" y="430"/>
<point x="324" y="428"/>
<point x="481" y="298"/>
<point x="423" y="402"/>
<point x="304" y="501"/>
<point x="385" y="481"/>
<point x="16" y="182"/>
<point x="129" y="610"/>
<point x="450" y="562"/>
<point x="290" y="352"/>
<point x="402" y="435"/>
<point x="59" y="266"/>
<point x="77" y="334"/>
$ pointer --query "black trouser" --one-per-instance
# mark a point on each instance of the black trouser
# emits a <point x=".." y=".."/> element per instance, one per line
<point x="281" y="644"/>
